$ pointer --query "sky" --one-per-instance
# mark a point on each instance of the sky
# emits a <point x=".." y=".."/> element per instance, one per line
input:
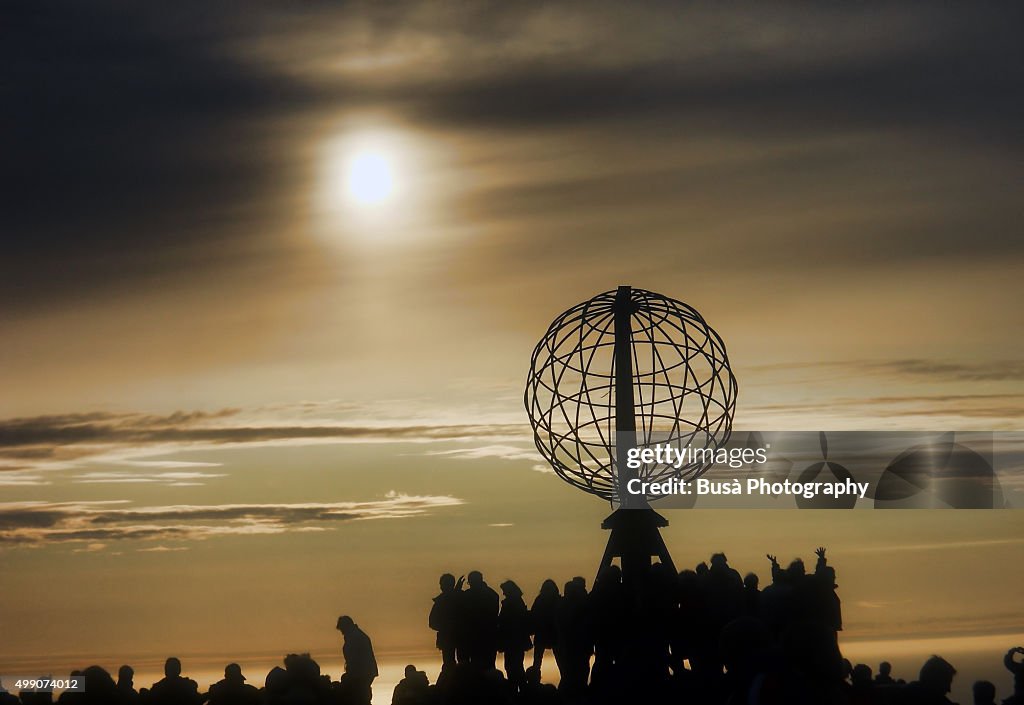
<point x="270" y="283"/>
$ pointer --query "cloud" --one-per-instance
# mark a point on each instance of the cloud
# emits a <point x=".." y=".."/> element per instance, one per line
<point x="90" y="548"/>
<point x="702" y="69"/>
<point x="967" y="406"/>
<point x="33" y="523"/>
<point x="866" y="414"/>
<point x="992" y="371"/>
<point x="878" y="604"/>
<point x="937" y="546"/>
<point x="955" y="391"/>
<point x="171" y="479"/>
<point x="923" y="369"/>
<point x="169" y="464"/>
<point x="20" y="478"/>
<point x="135" y="78"/>
<point x="59" y="441"/>
<point x="502" y="452"/>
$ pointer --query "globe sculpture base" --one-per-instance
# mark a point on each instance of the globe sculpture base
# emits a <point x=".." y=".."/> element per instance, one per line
<point x="635" y="540"/>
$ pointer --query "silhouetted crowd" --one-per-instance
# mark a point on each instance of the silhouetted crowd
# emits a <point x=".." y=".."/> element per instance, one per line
<point x="703" y="637"/>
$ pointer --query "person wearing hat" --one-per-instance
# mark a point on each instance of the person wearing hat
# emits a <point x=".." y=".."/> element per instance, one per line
<point x="233" y="690"/>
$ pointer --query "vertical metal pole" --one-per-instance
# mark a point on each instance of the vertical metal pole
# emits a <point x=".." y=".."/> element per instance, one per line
<point x="625" y="413"/>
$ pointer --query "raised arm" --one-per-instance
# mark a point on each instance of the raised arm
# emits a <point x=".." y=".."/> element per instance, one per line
<point x="1013" y="666"/>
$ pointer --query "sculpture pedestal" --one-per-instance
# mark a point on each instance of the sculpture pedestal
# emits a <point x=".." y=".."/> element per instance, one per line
<point x="635" y="539"/>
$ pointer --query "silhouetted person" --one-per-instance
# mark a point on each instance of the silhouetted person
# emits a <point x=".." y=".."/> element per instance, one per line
<point x="860" y="675"/>
<point x="126" y="694"/>
<point x="360" y="663"/>
<point x="751" y="595"/>
<point x="816" y="667"/>
<point x="444" y="618"/>
<point x="542" y="621"/>
<point x="413" y="689"/>
<point x="827" y="606"/>
<point x="607" y="606"/>
<point x="744" y="645"/>
<point x="480" y="610"/>
<point x="1017" y="669"/>
<point x="723" y="577"/>
<point x="777" y="598"/>
<point x="983" y="693"/>
<point x="575" y="643"/>
<point x="7" y="698"/>
<point x="100" y="688"/>
<point x="303" y="682"/>
<point x="884" y="676"/>
<point x="233" y="690"/>
<point x="275" y="685"/>
<point x="861" y="685"/>
<point x="805" y="603"/>
<point x="647" y="630"/>
<point x="514" y="634"/>
<point x="45" y="697"/>
<point x="537" y="693"/>
<point x="934" y="682"/>
<point x="693" y="637"/>
<point x="173" y="689"/>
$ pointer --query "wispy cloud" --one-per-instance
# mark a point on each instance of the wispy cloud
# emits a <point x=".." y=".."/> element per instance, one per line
<point x="62" y="441"/>
<point x="20" y="478"/>
<point x="168" y="464"/>
<point x="503" y="452"/>
<point x="910" y="410"/>
<point x="172" y="479"/>
<point x="879" y="604"/>
<point x="1007" y="370"/>
<point x="91" y="548"/>
<point x="991" y="371"/>
<point x="496" y="451"/>
<point x="937" y="546"/>
<point x="30" y="523"/>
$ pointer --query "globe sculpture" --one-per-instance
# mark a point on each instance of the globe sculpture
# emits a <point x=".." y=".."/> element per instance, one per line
<point x="626" y="369"/>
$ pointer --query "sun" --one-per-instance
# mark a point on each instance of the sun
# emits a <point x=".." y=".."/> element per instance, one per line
<point x="370" y="178"/>
<point x="370" y="187"/>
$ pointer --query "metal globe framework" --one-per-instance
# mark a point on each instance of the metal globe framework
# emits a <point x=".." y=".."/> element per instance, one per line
<point x="683" y="391"/>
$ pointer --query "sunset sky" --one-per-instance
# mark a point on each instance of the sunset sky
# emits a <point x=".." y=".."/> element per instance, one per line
<point x="266" y="276"/>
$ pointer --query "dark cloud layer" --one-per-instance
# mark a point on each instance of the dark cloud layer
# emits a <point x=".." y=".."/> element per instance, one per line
<point x="996" y="371"/>
<point x="51" y="522"/>
<point x="916" y="369"/>
<point x="79" y="436"/>
<point x="131" y="150"/>
<point x="146" y="144"/>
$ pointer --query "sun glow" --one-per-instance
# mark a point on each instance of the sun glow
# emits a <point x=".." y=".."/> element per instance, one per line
<point x="369" y="178"/>
<point x="372" y="187"/>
